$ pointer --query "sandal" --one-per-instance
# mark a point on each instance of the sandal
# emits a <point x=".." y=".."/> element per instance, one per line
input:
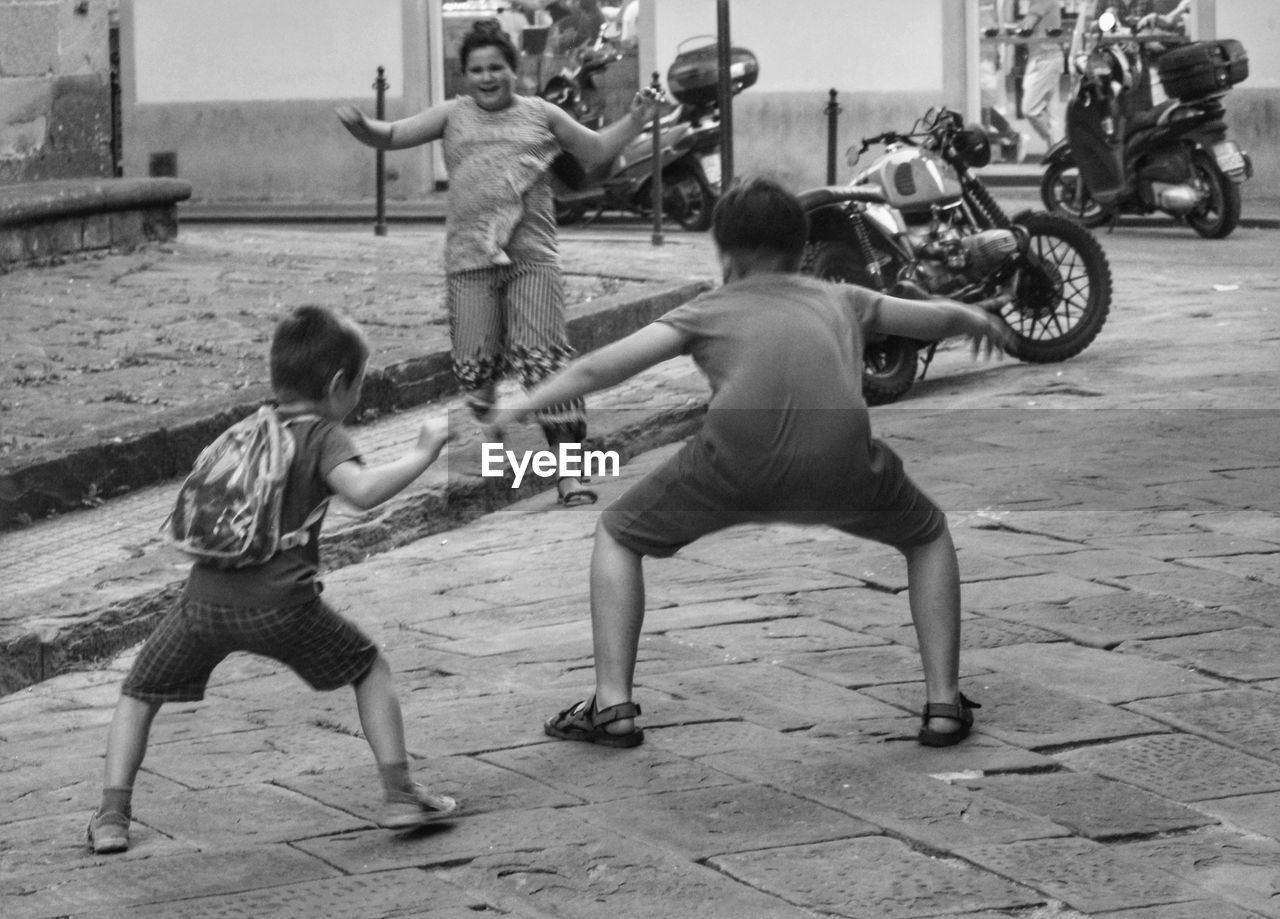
<point x="575" y="497"/>
<point x="581" y="721"/>
<point x="960" y="712"/>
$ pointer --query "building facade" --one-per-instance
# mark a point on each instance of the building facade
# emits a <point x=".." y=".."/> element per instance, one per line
<point x="237" y="97"/>
<point x="55" y="90"/>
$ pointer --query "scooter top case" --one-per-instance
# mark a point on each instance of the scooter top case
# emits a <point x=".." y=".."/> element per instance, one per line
<point x="694" y="76"/>
<point x="1202" y="68"/>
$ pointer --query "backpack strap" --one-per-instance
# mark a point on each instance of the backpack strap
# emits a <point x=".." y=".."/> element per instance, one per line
<point x="302" y="535"/>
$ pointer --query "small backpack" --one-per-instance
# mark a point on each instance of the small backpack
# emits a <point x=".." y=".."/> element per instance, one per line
<point x="228" y="509"/>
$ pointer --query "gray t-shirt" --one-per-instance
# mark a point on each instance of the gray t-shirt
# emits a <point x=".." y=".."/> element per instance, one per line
<point x="783" y="355"/>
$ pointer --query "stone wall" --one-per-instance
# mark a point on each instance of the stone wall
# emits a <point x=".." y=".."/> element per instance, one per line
<point x="55" y="90"/>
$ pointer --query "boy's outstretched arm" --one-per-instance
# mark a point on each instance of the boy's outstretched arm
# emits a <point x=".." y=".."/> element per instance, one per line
<point x="605" y="367"/>
<point x="364" y="487"/>
<point x="934" y="320"/>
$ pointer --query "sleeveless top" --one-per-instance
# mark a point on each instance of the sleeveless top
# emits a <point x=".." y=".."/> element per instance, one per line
<point x="501" y="209"/>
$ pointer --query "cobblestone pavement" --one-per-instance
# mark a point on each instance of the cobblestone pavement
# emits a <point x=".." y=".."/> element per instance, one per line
<point x="1117" y="520"/>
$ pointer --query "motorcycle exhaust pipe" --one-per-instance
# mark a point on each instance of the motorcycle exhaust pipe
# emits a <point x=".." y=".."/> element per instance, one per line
<point x="1175" y="199"/>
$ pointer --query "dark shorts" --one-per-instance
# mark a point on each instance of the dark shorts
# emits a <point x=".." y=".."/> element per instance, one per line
<point x="311" y="639"/>
<point x="686" y="498"/>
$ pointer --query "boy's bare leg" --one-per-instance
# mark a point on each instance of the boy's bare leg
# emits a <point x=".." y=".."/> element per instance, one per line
<point x="933" y="587"/>
<point x="380" y="716"/>
<point x="127" y="741"/>
<point x="617" y="615"/>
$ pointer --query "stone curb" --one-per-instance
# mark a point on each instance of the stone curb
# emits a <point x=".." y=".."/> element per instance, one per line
<point x="83" y="470"/>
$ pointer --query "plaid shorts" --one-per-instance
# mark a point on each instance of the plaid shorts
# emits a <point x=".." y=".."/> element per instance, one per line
<point x="320" y="646"/>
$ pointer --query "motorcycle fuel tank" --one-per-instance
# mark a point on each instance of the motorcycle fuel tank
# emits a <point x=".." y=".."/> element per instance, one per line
<point x="912" y="180"/>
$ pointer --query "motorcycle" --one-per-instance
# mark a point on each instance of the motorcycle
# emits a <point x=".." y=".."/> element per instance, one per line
<point x="689" y="154"/>
<point x="917" y="222"/>
<point x="1174" y="157"/>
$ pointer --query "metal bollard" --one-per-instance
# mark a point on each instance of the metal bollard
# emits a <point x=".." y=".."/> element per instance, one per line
<point x="380" y="156"/>
<point x="832" y="111"/>
<point x="657" y="239"/>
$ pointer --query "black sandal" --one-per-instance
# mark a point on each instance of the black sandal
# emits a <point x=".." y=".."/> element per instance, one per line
<point x="581" y="721"/>
<point x="959" y="712"/>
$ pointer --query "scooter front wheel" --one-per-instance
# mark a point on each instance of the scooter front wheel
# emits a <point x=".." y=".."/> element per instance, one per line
<point x="1220" y="213"/>
<point x="686" y="198"/>
<point x="1064" y="193"/>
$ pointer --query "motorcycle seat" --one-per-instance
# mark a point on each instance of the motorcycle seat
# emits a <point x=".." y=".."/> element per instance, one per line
<point x="815" y="198"/>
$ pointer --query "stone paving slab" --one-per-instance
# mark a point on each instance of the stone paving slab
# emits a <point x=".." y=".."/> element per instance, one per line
<point x="976" y="632"/>
<point x="1107" y="621"/>
<point x="1194" y="909"/>
<point x="1257" y="566"/>
<point x="1091" y="674"/>
<point x="126" y="883"/>
<point x="875" y="878"/>
<point x="406" y="892"/>
<point x="1238" y="867"/>
<point x="452" y="842"/>
<point x="1022" y="713"/>
<point x="595" y="774"/>
<point x="1179" y="766"/>
<point x="768" y="694"/>
<point x="1082" y="874"/>
<point x="712" y="822"/>
<point x="910" y="805"/>
<point x="1246" y="654"/>
<point x="576" y="881"/>
<point x="1246" y="719"/>
<point x="1214" y="589"/>
<point x="1090" y="805"/>
<point x="1258" y="814"/>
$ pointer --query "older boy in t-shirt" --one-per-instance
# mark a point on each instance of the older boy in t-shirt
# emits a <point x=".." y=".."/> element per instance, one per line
<point x="787" y="437"/>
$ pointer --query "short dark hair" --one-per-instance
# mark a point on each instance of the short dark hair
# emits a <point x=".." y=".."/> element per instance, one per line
<point x="757" y="215"/>
<point x="309" y="347"/>
<point x="488" y="33"/>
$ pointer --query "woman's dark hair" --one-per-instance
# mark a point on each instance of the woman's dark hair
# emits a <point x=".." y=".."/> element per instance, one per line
<point x="312" y="345"/>
<point x="759" y="215"/>
<point x="488" y="33"/>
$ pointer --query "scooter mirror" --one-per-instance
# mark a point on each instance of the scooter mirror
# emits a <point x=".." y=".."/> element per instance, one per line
<point x="852" y="155"/>
<point x="1107" y="22"/>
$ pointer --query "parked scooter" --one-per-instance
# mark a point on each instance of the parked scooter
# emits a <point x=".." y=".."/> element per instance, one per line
<point x="689" y="154"/>
<point x="918" y="222"/>
<point x="1174" y="157"/>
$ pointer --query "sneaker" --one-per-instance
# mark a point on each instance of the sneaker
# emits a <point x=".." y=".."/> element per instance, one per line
<point x="108" y="832"/>
<point x="422" y="808"/>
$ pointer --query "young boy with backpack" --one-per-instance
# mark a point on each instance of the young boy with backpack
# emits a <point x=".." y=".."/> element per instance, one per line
<point x="269" y="475"/>
<point x="787" y="437"/>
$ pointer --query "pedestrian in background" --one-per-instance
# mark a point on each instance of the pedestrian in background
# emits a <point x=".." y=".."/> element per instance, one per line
<point x="787" y="437"/>
<point x="1040" y="25"/>
<point x="274" y="608"/>
<point x="504" y="290"/>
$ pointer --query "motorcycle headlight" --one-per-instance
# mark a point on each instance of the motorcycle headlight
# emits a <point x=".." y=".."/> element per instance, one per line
<point x="974" y="146"/>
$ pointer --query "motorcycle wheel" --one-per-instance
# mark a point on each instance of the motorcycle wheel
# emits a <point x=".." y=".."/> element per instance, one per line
<point x="889" y="363"/>
<point x="1063" y="192"/>
<point x="1221" y="213"/>
<point x="686" y="198"/>
<point x="1063" y="291"/>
